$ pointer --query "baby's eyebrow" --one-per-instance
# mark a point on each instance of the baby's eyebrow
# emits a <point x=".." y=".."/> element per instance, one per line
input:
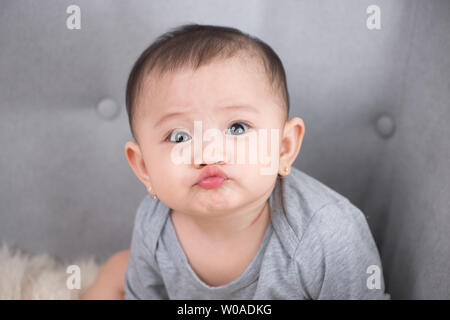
<point x="239" y="107"/>
<point x="223" y="108"/>
<point x="167" y="116"/>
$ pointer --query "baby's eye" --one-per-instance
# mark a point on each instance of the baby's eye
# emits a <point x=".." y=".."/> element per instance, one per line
<point x="238" y="128"/>
<point x="178" y="136"/>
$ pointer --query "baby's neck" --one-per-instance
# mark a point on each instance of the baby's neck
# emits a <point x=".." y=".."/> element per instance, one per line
<point x="227" y="228"/>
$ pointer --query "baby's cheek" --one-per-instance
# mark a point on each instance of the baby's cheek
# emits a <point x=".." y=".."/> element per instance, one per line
<point x="256" y="182"/>
<point x="171" y="177"/>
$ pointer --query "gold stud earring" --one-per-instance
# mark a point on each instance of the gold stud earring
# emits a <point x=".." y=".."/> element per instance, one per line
<point x="150" y="190"/>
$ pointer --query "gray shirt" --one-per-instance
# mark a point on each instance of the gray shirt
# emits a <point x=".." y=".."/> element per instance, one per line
<point x="317" y="246"/>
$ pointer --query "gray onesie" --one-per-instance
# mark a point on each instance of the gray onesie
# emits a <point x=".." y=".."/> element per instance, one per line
<point x="317" y="245"/>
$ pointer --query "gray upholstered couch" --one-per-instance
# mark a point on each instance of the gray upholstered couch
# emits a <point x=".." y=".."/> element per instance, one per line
<point x="375" y="104"/>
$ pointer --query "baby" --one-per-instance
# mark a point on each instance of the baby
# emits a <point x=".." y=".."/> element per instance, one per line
<point x="223" y="220"/>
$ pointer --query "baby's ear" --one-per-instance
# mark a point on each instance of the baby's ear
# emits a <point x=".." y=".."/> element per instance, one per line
<point x="294" y="130"/>
<point x="136" y="161"/>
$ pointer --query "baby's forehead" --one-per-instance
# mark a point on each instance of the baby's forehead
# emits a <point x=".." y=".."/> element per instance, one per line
<point x="236" y="80"/>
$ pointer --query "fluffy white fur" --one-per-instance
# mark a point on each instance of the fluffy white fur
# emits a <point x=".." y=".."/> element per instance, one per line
<point x="30" y="277"/>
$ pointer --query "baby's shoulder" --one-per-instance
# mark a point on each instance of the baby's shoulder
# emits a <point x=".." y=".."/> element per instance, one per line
<point x="332" y="245"/>
<point x="149" y="220"/>
<point x="309" y="202"/>
<point x="308" y="192"/>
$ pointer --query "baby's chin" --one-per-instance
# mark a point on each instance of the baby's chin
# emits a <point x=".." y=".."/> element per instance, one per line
<point x="219" y="200"/>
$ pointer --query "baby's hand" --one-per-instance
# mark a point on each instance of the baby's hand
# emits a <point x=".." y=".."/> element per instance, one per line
<point x="109" y="282"/>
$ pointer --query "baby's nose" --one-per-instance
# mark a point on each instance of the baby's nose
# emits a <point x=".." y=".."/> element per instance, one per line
<point x="211" y="155"/>
<point x="200" y="165"/>
<point x="210" y="160"/>
<point x="211" y="149"/>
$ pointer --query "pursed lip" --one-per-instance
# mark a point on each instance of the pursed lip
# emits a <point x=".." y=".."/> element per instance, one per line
<point x="212" y="171"/>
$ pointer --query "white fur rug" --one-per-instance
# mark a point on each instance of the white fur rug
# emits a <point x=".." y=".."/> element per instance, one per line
<point x="36" y="277"/>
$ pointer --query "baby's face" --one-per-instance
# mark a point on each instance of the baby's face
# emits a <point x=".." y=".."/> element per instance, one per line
<point x="232" y="97"/>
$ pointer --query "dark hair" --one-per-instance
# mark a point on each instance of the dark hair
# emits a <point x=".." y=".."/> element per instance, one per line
<point x="195" y="45"/>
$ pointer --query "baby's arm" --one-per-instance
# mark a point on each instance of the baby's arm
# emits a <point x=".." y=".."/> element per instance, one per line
<point x="109" y="282"/>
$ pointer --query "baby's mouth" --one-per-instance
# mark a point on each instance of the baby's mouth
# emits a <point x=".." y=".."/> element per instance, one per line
<point x="211" y="182"/>
<point x="211" y="177"/>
